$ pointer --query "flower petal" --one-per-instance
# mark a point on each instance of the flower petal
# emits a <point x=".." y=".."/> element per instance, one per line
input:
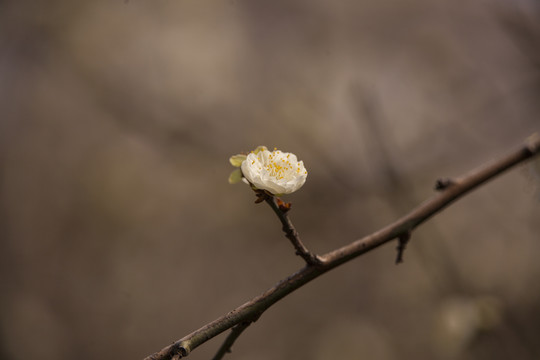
<point x="259" y="149"/>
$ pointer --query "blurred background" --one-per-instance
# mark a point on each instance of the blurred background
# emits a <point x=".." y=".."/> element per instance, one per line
<point x="120" y="234"/>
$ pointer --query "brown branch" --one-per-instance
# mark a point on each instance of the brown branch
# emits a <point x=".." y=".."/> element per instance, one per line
<point x="231" y="338"/>
<point x="255" y="307"/>
<point x="281" y="209"/>
<point x="403" y="239"/>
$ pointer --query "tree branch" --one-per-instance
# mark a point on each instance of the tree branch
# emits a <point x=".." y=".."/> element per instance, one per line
<point x="229" y="341"/>
<point x="251" y="310"/>
<point x="281" y="209"/>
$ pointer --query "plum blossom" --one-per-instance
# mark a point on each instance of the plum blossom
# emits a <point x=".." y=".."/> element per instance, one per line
<point x="275" y="171"/>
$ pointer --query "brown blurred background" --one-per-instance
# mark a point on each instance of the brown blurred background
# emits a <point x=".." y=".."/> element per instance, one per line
<point x="119" y="232"/>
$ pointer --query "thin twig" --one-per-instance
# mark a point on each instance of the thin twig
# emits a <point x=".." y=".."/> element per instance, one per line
<point x="404" y="225"/>
<point x="281" y="209"/>
<point x="403" y="239"/>
<point x="231" y="338"/>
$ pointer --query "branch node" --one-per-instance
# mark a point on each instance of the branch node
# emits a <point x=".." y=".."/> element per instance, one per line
<point x="402" y="244"/>
<point x="262" y="195"/>
<point x="443" y="183"/>
<point x="283" y="206"/>
<point x="179" y="350"/>
<point x="532" y="143"/>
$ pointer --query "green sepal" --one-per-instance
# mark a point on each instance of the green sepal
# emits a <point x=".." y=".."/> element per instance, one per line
<point x="235" y="177"/>
<point x="237" y="160"/>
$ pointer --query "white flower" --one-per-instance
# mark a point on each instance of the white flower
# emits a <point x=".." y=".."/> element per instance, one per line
<point x="277" y="172"/>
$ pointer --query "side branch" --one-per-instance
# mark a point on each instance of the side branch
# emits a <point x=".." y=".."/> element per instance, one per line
<point x="250" y="311"/>
<point x="228" y="343"/>
<point x="281" y="209"/>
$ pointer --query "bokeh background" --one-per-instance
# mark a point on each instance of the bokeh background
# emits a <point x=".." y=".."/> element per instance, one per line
<point x="120" y="234"/>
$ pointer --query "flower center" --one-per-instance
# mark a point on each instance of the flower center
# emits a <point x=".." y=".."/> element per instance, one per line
<point x="280" y="167"/>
